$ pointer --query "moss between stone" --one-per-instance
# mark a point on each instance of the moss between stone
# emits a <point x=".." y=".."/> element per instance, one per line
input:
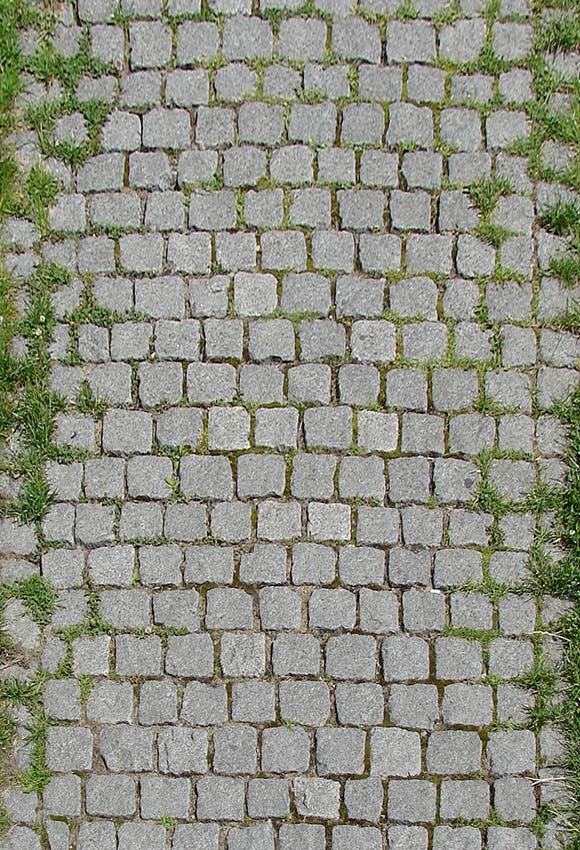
<point x="562" y="579"/>
<point x="558" y="693"/>
<point x="27" y="405"/>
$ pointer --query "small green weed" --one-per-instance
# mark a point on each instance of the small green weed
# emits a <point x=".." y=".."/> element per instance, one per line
<point x="567" y="269"/>
<point x="495" y="234"/>
<point x="562" y="218"/>
<point x="485" y="194"/>
<point x="86" y="402"/>
<point x="562" y="33"/>
<point x="39" y="598"/>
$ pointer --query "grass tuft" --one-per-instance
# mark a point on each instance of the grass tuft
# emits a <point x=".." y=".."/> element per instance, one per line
<point x="39" y="598"/>
<point x="492" y="233"/>
<point x="562" y="218"/>
<point x="562" y="33"/>
<point x="485" y="194"/>
<point x="567" y="269"/>
<point x="561" y="578"/>
<point x="85" y="402"/>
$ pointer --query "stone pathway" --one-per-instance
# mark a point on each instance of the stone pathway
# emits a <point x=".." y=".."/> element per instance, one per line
<point x="307" y="375"/>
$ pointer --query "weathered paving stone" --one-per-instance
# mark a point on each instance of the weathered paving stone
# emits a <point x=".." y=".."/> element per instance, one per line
<point x="314" y="351"/>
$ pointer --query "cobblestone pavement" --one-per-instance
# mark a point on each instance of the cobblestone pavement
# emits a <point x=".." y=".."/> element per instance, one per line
<point x="307" y="376"/>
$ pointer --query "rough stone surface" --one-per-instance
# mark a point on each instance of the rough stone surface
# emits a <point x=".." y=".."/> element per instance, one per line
<point x="308" y="358"/>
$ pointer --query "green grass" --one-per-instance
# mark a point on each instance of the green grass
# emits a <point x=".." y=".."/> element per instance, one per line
<point x="489" y="501"/>
<point x="167" y="822"/>
<point x="562" y="33"/>
<point x="449" y="15"/>
<point x="34" y="499"/>
<point x="567" y="269"/>
<point x="562" y="578"/>
<point x="558" y="692"/>
<point x="485" y="194"/>
<point x="41" y="188"/>
<point x="562" y="218"/>
<point x="27" y="405"/>
<point x="11" y="18"/>
<point x="47" y="64"/>
<point x="406" y="11"/>
<point x="85" y="402"/>
<point x="30" y="405"/>
<point x="26" y="408"/>
<point x="495" y="234"/>
<point x="36" y="776"/>
<point x="39" y="598"/>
